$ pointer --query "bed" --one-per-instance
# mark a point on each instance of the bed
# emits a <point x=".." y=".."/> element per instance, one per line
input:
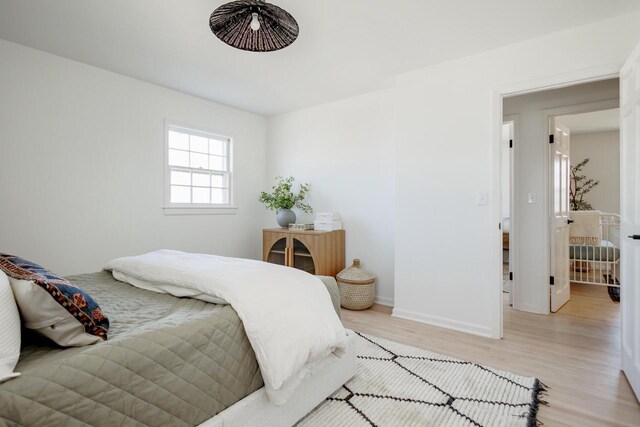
<point x="605" y="251"/>
<point x="168" y="361"/>
<point x="594" y="250"/>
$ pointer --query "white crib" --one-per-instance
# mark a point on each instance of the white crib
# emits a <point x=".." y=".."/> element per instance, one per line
<point x="595" y="252"/>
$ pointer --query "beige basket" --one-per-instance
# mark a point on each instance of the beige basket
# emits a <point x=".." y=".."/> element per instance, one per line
<point x="357" y="287"/>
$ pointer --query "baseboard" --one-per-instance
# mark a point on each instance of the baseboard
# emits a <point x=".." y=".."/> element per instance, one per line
<point x="529" y="308"/>
<point x="384" y="301"/>
<point x="443" y="322"/>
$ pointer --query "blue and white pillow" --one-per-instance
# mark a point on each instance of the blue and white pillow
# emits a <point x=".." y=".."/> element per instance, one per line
<point x="53" y="306"/>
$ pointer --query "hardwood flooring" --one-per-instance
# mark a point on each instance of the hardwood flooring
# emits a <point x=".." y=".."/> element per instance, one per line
<point x="576" y="352"/>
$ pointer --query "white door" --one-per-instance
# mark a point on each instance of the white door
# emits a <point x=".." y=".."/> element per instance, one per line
<point x="630" y="218"/>
<point x="559" y="282"/>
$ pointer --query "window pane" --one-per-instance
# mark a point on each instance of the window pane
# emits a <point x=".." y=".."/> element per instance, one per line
<point x="178" y="158"/>
<point x="199" y="161"/>
<point x="217" y="147"/>
<point x="178" y="140"/>
<point x="180" y="194"/>
<point x="201" y="195"/>
<point x="219" y="195"/>
<point x="199" y="167"/>
<point x="218" y="163"/>
<point x="201" y="179"/>
<point x="199" y="144"/>
<point x="180" y="178"/>
<point x="219" y="180"/>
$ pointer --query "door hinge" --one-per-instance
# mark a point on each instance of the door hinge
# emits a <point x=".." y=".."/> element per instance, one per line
<point x="511" y="143"/>
<point x="552" y="280"/>
<point x="510" y="275"/>
<point x="551" y="139"/>
<point x="499" y="226"/>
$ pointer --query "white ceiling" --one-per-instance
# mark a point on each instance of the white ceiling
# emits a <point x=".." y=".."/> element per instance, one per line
<point x="596" y="121"/>
<point x="345" y="47"/>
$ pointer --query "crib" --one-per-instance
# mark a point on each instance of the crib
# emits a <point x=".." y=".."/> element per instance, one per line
<point x="594" y="250"/>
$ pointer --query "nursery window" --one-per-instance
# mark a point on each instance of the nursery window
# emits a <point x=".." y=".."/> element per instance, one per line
<point x="198" y="169"/>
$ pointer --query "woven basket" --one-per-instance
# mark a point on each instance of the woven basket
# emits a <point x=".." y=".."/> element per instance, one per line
<point x="357" y="287"/>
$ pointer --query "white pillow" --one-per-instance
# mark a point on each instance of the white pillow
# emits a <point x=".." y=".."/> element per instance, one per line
<point x="9" y="330"/>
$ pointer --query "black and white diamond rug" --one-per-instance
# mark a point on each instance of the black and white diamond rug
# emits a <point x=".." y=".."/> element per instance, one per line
<point x="399" y="385"/>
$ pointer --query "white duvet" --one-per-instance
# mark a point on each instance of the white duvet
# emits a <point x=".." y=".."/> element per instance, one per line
<point x="287" y="313"/>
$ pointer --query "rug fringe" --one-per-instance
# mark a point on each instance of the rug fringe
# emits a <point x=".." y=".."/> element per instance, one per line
<point x="539" y="389"/>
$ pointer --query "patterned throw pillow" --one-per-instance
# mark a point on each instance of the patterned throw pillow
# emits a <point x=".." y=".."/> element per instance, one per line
<point x="53" y="306"/>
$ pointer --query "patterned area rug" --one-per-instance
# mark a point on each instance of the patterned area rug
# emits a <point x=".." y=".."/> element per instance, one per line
<point x="399" y="385"/>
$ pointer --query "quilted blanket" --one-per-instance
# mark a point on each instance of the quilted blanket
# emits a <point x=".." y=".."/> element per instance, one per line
<point x="286" y="312"/>
<point x="168" y="361"/>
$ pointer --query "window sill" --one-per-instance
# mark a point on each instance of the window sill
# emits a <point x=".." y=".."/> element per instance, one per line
<point x="200" y="210"/>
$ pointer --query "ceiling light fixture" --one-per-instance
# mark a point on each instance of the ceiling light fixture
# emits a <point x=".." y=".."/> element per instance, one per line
<point x="254" y="25"/>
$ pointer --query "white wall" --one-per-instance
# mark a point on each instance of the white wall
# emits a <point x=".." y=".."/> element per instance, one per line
<point x="603" y="150"/>
<point x="448" y="130"/>
<point x="441" y="119"/>
<point x="345" y="150"/>
<point x="81" y="166"/>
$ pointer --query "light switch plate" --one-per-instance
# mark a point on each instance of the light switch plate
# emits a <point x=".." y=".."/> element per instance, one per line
<point x="531" y="198"/>
<point x="481" y="199"/>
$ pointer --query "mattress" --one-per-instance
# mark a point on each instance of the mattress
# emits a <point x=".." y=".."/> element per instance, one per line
<point x="605" y="252"/>
<point x="168" y="361"/>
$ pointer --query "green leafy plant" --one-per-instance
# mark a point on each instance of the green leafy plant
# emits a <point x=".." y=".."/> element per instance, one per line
<point x="283" y="198"/>
<point x="580" y="185"/>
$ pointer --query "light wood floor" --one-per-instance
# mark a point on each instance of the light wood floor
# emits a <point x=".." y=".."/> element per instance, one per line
<point x="576" y="352"/>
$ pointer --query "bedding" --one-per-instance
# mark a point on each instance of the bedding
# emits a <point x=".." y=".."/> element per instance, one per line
<point x="165" y="288"/>
<point x="605" y="252"/>
<point x="287" y="314"/>
<point x="53" y="306"/>
<point x="9" y="330"/>
<point x="168" y="361"/>
<point x="585" y="229"/>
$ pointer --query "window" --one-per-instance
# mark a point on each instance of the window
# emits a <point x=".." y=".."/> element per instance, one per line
<point x="198" y="169"/>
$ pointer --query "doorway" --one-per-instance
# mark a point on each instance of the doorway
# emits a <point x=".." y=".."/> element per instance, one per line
<point x="629" y="103"/>
<point x="585" y="247"/>
<point x="533" y="270"/>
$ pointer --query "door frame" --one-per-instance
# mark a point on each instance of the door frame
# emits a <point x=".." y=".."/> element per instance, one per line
<point x="498" y="94"/>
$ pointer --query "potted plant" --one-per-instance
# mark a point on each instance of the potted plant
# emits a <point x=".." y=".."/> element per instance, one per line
<point x="282" y="200"/>
<point x="580" y="185"/>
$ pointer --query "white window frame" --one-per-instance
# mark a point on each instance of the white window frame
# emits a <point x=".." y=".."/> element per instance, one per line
<point x="197" y="208"/>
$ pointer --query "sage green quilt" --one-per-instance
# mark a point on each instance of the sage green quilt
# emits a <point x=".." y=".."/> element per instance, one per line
<point x="168" y="362"/>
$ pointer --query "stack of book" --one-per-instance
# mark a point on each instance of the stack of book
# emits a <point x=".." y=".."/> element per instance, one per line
<point x="327" y="221"/>
<point x="302" y="227"/>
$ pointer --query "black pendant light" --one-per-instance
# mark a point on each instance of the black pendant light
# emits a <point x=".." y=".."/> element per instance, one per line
<point x="254" y="25"/>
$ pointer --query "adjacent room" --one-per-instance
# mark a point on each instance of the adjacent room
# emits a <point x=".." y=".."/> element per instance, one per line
<point x="594" y="198"/>
<point x="250" y="213"/>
